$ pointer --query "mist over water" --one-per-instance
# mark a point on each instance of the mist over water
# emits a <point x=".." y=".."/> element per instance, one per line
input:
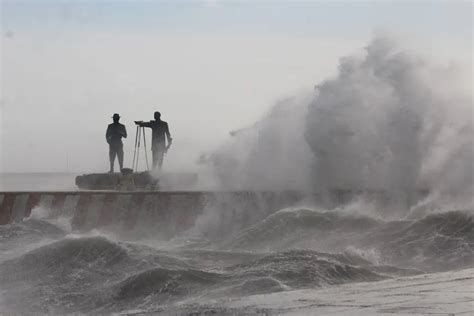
<point x="271" y="154"/>
<point x="385" y="121"/>
<point x="389" y="120"/>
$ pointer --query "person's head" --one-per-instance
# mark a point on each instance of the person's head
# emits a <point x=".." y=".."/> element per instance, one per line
<point x="116" y="117"/>
<point x="157" y="116"/>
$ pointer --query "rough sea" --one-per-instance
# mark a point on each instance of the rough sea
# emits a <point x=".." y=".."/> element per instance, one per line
<point x="46" y="268"/>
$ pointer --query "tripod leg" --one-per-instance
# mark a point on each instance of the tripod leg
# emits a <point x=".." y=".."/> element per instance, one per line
<point x="144" y="146"/>
<point x="135" y="148"/>
<point x="138" y="147"/>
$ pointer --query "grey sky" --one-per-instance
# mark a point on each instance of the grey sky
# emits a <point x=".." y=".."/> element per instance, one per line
<point x="208" y="66"/>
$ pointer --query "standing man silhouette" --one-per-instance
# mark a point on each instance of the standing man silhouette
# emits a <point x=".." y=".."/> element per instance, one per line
<point x="159" y="130"/>
<point x="114" y="134"/>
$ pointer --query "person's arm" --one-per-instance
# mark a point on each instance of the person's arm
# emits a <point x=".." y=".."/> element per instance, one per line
<point x="168" y="135"/>
<point x="108" y="135"/>
<point x="124" y="132"/>
<point x="146" y="124"/>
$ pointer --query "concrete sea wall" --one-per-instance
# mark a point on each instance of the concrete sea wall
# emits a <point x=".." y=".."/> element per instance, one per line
<point x="172" y="212"/>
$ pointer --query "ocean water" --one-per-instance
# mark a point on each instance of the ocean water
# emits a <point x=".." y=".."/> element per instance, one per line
<point x="46" y="268"/>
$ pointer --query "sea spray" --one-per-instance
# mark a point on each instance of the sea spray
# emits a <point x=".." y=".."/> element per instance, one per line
<point x="389" y="120"/>
<point x="269" y="155"/>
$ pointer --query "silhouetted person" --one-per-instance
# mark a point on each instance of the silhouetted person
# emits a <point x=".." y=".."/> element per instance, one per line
<point x="159" y="130"/>
<point x="114" y="134"/>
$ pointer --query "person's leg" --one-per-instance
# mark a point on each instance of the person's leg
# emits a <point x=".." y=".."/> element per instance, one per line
<point x="154" y="153"/>
<point x="120" y="156"/>
<point x="158" y="151"/>
<point x="112" y="153"/>
<point x="161" y="154"/>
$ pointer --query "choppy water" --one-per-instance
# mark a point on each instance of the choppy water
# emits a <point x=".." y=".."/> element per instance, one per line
<point x="45" y="268"/>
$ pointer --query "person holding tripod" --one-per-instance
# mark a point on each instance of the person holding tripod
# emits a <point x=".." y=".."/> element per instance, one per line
<point x="113" y="135"/>
<point x="159" y="147"/>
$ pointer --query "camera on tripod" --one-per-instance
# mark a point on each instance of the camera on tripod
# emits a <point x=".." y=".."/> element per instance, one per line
<point x="138" y="122"/>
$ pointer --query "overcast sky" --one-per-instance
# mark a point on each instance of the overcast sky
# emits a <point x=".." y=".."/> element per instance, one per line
<point x="208" y="66"/>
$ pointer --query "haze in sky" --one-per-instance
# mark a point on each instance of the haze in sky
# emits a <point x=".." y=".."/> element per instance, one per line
<point x="210" y="67"/>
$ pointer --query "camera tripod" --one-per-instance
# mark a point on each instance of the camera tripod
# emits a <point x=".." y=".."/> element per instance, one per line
<point x="136" y="153"/>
